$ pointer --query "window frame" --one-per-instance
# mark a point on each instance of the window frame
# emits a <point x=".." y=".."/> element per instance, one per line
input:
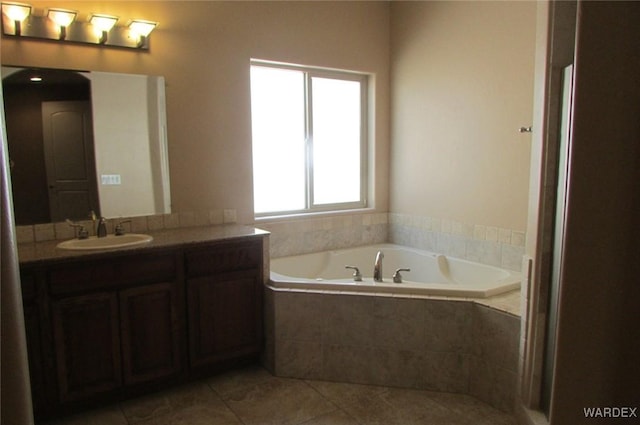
<point x="309" y="73"/>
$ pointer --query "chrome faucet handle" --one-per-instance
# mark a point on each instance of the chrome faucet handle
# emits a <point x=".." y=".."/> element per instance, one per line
<point x="357" y="276"/>
<point x="81" y="232"/>
<point x="397" y="277"/>
<point x="119" y="229"/>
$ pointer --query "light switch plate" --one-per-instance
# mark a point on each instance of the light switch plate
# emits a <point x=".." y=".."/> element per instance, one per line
<point x="110" y="179"/>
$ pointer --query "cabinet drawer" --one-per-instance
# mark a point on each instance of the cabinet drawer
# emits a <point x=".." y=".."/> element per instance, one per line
<point x="110" y="273"/>
<point x="223" y="257"/>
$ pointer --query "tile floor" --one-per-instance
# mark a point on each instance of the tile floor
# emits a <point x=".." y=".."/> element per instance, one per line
<point x="252" y="396"/>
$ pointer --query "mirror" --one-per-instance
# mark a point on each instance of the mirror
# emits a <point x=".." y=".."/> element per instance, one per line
<point x="85" y="141"/>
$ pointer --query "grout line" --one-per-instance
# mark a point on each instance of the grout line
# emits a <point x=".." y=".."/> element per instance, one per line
<point x="449" y="407"/>
<point x="230" y="409"/>
<point x="224" y="401"/>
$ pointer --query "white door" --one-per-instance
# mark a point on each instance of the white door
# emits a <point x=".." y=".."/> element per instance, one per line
<point x="69" y="159"/>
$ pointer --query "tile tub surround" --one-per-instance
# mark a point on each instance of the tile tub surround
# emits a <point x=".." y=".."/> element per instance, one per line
<point x="429" y="344"/>
<point x="483" y="244"/>
<point x="252" y="396"/>
<point x="313" y="234"/>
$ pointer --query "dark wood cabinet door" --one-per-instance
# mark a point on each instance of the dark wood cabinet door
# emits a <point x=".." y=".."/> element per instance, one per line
<point x="225" y="316"/>
<point x="34" y="323"/>
<point x="87" y="345"/>
<point x="37" y="364"/>
<point x="151" y="332"/>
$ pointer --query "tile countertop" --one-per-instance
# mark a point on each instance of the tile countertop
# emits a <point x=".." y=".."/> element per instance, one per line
<point x="30" y="253"/>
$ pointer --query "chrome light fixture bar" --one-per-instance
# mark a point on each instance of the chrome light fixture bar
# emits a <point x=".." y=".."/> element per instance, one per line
<point x="63" y="25"/>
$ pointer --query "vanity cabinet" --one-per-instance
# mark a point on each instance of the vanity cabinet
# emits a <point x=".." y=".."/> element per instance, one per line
<point x="224" y="296"/>
<point x="116" y="323"/>
<point x="104" y="328"/>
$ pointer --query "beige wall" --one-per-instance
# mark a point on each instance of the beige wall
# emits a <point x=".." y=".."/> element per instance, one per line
<point x="203" y="50"/>
<point x="462" y="78"/>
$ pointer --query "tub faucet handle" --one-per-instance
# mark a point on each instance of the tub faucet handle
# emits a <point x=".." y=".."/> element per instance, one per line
<point x="357" y="276"/>
<point x="397" y="277"/>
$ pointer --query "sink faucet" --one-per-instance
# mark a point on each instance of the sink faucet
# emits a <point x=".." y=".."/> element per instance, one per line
<point x="81" y="232"/>
<point x="377" y="267"/>
<point x="101" y="230"/>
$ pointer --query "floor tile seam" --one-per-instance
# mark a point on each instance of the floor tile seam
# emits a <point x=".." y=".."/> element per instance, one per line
<point x="224" y="399"/>
<point x="338" y="409"/>
<point x="126" y="419"/>
<point x="233" y="412"/>
<point x="208" y="383"/>
<point x="353" y="417"/>
<point x="131" y="420"/>
<point x="344" y="407"/>
<point x="315" y="390"/>
<point x="229" y="394"/>
<point x="386" y="388"/>
<point x="317" y="416"/>
<point x="258" y="384"/>
<point x="460" y="415"/>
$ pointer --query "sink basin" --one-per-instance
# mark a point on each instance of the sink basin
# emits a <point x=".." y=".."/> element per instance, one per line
<point x="108" y="242"/>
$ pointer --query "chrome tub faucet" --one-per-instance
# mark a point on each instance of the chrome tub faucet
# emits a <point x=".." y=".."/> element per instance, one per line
<point x="101" y="230"/>
<point x="377" y="267"/>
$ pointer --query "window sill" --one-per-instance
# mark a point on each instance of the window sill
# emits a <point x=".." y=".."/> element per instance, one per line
<point x="315" y="214"/>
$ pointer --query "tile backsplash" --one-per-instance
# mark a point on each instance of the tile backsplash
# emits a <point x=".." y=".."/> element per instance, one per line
<point x="140" y="224"/>
<point x="300" y="235"/>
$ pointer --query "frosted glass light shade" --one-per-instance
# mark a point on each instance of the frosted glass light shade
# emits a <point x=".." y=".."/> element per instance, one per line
<point x="16" y="11"/>
<point x="142" y="28"/>
<point x="62" y="17"/>
<point x="103" y="22"/>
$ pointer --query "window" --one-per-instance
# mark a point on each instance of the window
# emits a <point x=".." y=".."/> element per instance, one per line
<point x="309" y="139"/>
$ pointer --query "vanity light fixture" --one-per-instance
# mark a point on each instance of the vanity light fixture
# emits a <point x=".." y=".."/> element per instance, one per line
<point x="141" y="29"/>
<point x="15" y="13"/>
<point x="19" y="20"/>
<point x="63" y="18"/>
<point x="103" y="24"/>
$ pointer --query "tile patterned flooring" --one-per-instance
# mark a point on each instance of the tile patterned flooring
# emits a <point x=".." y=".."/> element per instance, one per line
<point x="252" y="396"/>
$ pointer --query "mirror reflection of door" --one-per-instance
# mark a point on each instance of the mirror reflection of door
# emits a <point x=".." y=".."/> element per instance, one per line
<point x="69" y="159"/>
<point x="24" y="99"/>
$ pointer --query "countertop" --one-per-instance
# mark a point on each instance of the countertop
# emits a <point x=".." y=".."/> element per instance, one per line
<point x="37" y="252"/>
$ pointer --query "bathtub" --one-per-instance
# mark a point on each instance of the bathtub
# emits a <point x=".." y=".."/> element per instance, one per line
<point x="431" y="273"/>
